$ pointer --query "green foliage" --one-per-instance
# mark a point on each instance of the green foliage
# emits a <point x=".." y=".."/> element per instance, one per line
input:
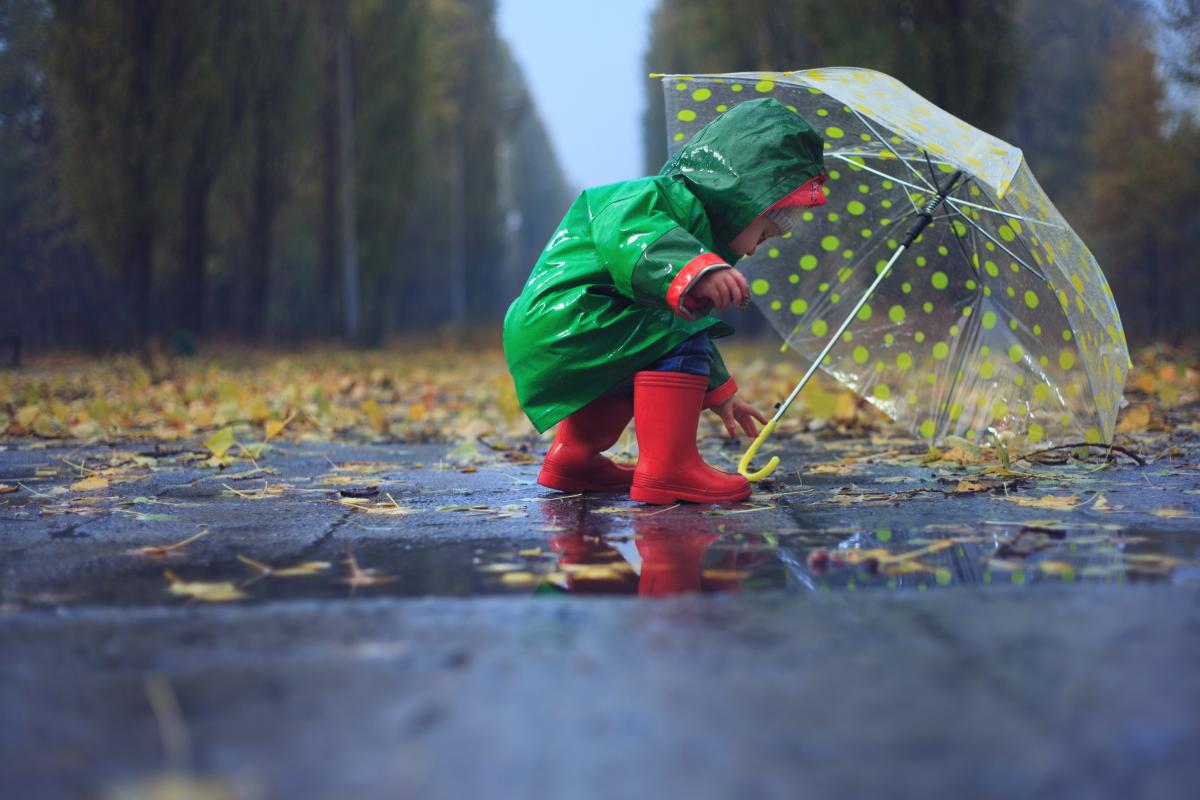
<point x="1074" y="83"/>
<point x="1143" y="191"/>
<point x="959" y="54"/>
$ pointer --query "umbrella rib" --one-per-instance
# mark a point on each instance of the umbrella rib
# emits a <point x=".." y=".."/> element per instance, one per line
<point x="860" y="260"/>
<point x="960" y="358"/>
<point x="882" y="174"/>
<point x="888" y="145"/>
<point x="1002" y="246"/>
<point x="956" y="202"/>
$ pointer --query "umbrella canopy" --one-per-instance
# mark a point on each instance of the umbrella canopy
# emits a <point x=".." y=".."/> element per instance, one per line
<point x="996" y="324"/>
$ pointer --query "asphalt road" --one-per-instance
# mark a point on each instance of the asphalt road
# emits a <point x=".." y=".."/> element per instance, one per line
<point x="424" y="620"/>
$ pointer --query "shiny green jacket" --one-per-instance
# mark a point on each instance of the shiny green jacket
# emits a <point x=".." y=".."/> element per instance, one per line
<point x="608" y="295"/>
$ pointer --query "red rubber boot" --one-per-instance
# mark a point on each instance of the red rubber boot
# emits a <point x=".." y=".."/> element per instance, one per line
<point x="574" y="464"/>
<point x="666" y="408"/>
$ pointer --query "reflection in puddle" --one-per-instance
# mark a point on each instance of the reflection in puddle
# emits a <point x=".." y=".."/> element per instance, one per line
<point x="580" y="546"/>
<point x="589" y="553"/>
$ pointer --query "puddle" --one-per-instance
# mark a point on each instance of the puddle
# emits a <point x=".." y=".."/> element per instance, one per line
<point x="573" y="549"/>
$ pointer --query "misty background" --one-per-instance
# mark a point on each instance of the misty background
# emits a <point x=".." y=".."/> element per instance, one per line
<point x="289" y="171"/>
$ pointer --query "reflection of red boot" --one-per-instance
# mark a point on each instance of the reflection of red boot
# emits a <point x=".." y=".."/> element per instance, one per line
<point x="574" y="464"/>
<point x="670" y="469"/>
<point x="671" y="561"/>
<point x="588" y="565"/>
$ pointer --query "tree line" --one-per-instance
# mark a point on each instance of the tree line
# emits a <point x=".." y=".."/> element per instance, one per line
<point x="285" y="170"/>
<point x="1080" y="85"/>
<point x="276" y="171"/>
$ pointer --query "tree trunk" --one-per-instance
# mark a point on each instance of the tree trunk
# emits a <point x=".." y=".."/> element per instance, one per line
<point x="264" y="202"/>
<point x="329" y="13"/>
<point x="193" y="245"/>
<point x="139" y="244"/>
<point x="346" y="173"/>
<point x="456" y="255"/>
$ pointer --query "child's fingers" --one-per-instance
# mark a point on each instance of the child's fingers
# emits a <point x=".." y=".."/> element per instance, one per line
<point x="721" y="289"/>
<point x="743" y="287"/>
<point x="726" y="415"/>
<point x="748" y="426"/>
<point x="746" y="415"/>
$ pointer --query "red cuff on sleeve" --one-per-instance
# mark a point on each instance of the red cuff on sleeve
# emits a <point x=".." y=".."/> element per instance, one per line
<point x="723" y="392"/>
<point x="690" y="271"/>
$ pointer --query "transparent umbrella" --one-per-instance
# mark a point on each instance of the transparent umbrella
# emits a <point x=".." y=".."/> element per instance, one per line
<point x="995" y="323"/>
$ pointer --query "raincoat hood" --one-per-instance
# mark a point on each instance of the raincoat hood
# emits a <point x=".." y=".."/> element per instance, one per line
<point x="745" y="160"/>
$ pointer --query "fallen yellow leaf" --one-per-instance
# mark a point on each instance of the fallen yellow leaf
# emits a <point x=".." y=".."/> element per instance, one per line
<point x="375" y="415"/>
<point x="220" y="442"/>
<point x="726" y="574"/>
<point x="297" y="570"/>
<point x="209" y="592"/>
<point x="90" y="484"/>
<point x="1134" y="420"/>
<point x="162" y="551"/>
<point x="1060" y="568"/>
<point x="518" y="578"/>
<point x="176" y="786"/>
<point x="1050" y="501"/>
<point x="1170" y="512"/>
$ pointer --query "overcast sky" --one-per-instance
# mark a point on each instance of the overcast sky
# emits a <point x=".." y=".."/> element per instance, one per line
<point x="583" y="63"/>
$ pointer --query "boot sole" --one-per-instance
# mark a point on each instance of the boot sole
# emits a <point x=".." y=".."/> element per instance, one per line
<point x="553" y="479"/>
<point x="670" y="496"/>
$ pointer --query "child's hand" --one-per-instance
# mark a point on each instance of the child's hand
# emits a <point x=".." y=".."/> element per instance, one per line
<point x="720" y="289"/>
<point x="734" y="408"/>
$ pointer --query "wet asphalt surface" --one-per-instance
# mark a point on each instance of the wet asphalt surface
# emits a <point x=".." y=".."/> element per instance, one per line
<point x="425" y="620"/>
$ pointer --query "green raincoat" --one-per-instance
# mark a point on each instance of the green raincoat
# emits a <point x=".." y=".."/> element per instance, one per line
<point x="606" y="297"/>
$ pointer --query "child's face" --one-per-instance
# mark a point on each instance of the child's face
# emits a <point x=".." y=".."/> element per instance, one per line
<point x="754" y="234"/>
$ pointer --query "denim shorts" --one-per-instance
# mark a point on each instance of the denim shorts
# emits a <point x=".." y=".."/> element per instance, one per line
<point x="693" y="355"/>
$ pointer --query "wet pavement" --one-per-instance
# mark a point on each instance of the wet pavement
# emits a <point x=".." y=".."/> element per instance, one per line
<point x="382" y="620"/>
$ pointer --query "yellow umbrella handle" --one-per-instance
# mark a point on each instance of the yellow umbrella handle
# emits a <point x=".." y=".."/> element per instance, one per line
<point x="744" y="464"/>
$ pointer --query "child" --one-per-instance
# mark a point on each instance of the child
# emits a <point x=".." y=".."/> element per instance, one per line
<point x="613" y="322"/>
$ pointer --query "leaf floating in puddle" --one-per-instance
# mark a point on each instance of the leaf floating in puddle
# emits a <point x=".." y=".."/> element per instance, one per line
<point x="521" y="578"/>
<point x="297" y="570"/>
<point x="1152" y="563"/>
<point x="726" y="574"/>
<point x="358" y="576"/>
<point x="1060" y="568"/>
<point x="208" y="592"/>
<point x="155" y="552"/>
<point x="177" y="786"/>
<point x="1049" y="502"/>
<point x="499" y="567"/>
<point x="303" y="568"/>
<point x="1170" y="513"/>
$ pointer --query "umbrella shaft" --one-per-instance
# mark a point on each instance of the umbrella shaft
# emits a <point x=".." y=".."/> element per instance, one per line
<point x="833" y="340"/>
<point x="923" y="219"/>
